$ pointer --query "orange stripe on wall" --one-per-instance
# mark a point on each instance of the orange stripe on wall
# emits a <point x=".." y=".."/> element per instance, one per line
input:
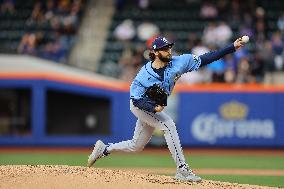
<point x="218" y="87"/>
<point x="124" y="86"/>
<point x="117" y="86"/>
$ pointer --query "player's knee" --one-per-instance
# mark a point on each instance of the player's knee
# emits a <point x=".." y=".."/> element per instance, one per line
<point x="139" y="148"/>
<point x="136" y="147"/>
<point x="170" y="124"/>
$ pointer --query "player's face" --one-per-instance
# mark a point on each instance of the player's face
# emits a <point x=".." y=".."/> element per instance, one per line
<point x="165" y="54"/>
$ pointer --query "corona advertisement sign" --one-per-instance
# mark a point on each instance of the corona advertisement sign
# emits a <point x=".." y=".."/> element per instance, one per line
<point x="231" y="122"/>
<point x="231" y="119"/>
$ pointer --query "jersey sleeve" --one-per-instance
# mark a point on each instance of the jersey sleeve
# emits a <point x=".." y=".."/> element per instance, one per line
<point x="137" y="90"/>
<point x="191" y="62"/>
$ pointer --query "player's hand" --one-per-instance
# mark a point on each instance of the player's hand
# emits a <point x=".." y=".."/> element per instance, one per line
<point x="159" y="108"/>
<point x="239" y="43"/>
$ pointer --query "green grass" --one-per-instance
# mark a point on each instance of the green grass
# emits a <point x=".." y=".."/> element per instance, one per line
<point x="275" y="181"/>
<point x="164" y="161"/>
<point x="146" y="160"/>
<point x="196" y="161"/>
<point x="238" y="162"/>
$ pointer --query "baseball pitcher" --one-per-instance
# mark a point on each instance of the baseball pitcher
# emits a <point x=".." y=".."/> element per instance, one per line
<point x="148" y="97"/>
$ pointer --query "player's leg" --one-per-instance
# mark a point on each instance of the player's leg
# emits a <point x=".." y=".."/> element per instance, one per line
<point x="163" y="122"/>
<point x="141" y="137"/>
<point x="145" y="126"/>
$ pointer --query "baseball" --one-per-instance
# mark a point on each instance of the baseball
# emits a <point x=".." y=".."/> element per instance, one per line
<point x="245" y="38"/>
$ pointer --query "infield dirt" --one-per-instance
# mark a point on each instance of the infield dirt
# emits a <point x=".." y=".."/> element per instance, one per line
<point x="69" y="177"/>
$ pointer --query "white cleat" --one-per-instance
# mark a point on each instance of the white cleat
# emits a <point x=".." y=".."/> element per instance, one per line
<point x="98" y="152"/>
<point x="186" y="174"/>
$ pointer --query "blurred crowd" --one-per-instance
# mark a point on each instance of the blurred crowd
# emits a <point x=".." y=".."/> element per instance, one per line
<point x="52" y="25"/>
<point x="226" y="20"/>
<point x="50" y="28"/>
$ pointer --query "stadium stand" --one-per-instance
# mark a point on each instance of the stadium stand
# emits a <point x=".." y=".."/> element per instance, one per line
<point x="42" y="28"/>
<point x="186" y="24"/>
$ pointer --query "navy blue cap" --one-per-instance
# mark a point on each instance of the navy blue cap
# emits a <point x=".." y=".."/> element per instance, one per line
<point x="161" y="42"/>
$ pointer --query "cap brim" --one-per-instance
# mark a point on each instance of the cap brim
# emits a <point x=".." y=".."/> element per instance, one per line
<point x="170" y="45"/>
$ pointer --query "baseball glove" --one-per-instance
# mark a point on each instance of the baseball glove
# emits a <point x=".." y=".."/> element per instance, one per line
<point x="157" y="94"/>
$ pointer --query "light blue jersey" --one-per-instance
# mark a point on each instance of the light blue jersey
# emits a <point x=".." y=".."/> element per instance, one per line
<point x="147" y="77"/>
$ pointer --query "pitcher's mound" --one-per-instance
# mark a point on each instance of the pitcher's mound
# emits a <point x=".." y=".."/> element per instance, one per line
<point x="72" y="177"/>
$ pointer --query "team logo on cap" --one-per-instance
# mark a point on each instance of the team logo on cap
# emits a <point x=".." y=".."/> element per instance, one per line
<point x="165" y="40"/>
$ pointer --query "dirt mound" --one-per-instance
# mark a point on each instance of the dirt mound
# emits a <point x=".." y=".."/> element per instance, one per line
<point x="48" y="176"/>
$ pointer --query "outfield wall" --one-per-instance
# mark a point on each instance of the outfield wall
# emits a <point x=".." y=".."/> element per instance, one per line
<point x="75" y="108"/>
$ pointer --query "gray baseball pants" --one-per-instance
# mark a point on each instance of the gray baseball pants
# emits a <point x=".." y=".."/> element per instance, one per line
<point x="146" y="124"/>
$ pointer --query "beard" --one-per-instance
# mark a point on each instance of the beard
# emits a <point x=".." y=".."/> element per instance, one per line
<point x="167" y="58"/>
